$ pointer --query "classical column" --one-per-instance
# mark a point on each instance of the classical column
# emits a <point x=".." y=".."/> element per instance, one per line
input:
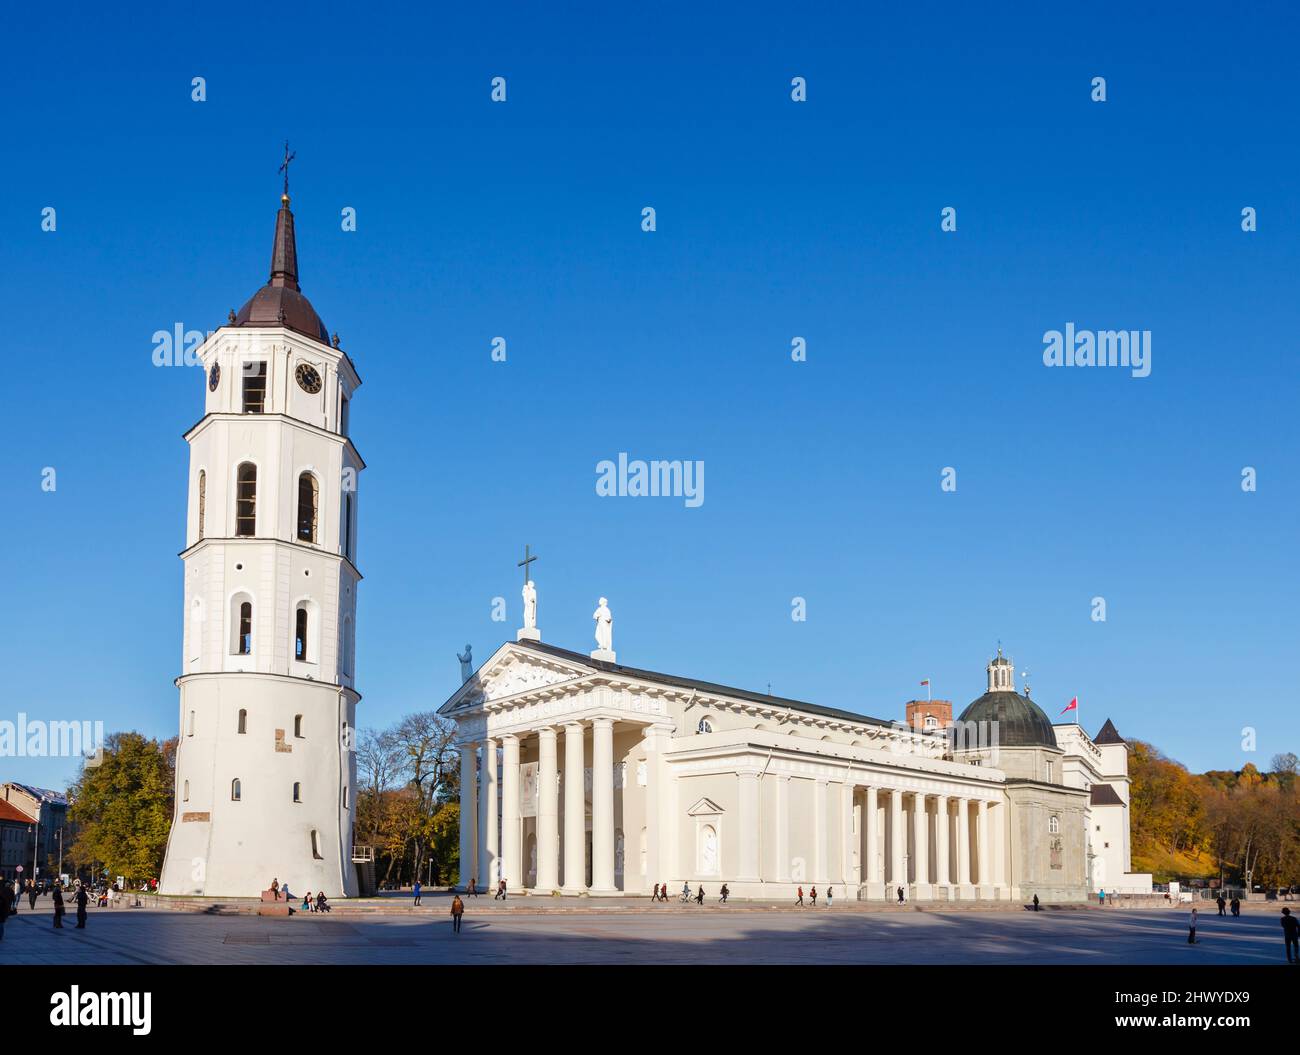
<point x="897" y="874"/>
<point x="846" y="834"/>
<point x="487" y="817"/>
<point x="602" y="806"/>
<point x="468" y="814"/>
<point x="921" y="842"/>
<point x="873" y="836"/>
<point x="820" y="834"/>
<point x="963" y="841"/>
<point x="942" y="872"/>
<point x="782" y="828"/>
<point x="859" y="875"/>
<point x="999" y="844"/>
<point x="654" y="742"/>
<point x="548" y="820"/>
<point x="747" y="823"/>
<point x="575" y="810"/>
<point x="512" y="865"/>
<point x="982" y="855"/>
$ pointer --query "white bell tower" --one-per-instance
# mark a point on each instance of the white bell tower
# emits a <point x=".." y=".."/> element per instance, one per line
<point x="265" y="767"/>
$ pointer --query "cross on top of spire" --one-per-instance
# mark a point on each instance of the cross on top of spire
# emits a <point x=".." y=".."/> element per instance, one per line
<point x="284" y="167"/>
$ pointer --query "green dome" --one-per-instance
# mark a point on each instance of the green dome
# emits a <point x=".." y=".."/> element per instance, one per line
<point x="1020" y="721"/>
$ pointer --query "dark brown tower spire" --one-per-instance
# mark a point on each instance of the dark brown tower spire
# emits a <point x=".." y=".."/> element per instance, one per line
<point x="284" y="253"/>
<point x="280" y="302"/>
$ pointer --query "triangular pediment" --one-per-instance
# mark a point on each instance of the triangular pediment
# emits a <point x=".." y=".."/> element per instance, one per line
<point x="704" y="808"/>
<point x="513" y="669"/>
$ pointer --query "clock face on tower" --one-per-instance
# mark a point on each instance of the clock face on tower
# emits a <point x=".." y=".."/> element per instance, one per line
<point x="308" y="378"/>
<point x="214" y="377"/>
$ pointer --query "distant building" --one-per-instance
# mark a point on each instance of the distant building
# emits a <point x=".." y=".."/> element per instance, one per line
<point x="929" y="716"/>
<point x="48" y="812"/>
<point x="15" y="841"/>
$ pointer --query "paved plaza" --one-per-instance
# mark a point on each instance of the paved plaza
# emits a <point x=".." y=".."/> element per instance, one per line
<point x="666" y="934"/>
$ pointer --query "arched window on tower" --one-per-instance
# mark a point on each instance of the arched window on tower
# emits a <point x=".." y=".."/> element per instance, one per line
<point x="297" y="726"/>
<point x="186" y="796"/>
<point x="246" y="500"/>
<point x="308" y="503"/>
<point x="236" y="790"/>
<point x="297" y="791"/>
<point x="203" y="500"/>
<point x="300" y="634"/>
<point x="348" y="645"/>
<point x="347" y="526"/>
<point x="315" y="845"/>
<point x="243" y="720"/>
<point x="245" y="644"/>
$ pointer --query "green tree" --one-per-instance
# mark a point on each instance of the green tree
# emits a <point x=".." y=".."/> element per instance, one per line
<point x="122" y="807"/>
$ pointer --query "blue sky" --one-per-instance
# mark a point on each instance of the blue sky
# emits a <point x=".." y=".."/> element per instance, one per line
<point x="775" y="220"/>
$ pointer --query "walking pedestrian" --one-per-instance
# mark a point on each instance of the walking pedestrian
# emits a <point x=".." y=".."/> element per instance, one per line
<point x="725" y="892"/>
<point x="812" y="897"/>
<point x="457" y="910"/>
<point x="800" y="899"/>
<point x="830" y="893"/>
<point x="31" y="895"/>
<point x="1191" y="933"/>
<point x="58" y="907"/>
<point x="1222" y="902"/>
<point x="81" y="898"/>
<point x="1290" y="935"/>
<point x="472" y="889"/>
<point x="900" y="895"/>
<point x="1236" y="907"/>
<point x="655" y="895"/>
<point x="1101" y="897"/>
<point x="1035" y="902"/>
<point x="416" y="888"/>
<point x="699" y="897"/>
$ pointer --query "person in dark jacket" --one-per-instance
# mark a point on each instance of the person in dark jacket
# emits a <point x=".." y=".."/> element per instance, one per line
<point x="457" y="910"/>
<point x="1291" y="935"/>
<point x="1222" y="902"/>
<point x="58" y="907"/>
<point x="82" y="899"/>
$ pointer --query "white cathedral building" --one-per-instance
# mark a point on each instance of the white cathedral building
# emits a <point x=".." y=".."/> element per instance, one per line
<point x="265" y="767"/>
<point x="582" y="776"/>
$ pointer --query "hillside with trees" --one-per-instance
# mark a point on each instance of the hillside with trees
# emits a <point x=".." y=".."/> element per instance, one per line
<point x="1224" y="826"/>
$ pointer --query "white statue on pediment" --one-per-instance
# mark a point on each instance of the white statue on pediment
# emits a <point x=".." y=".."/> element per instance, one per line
<point x="466" y="665"/>
<point x="604" y="626"/>
<point x="530" y="605"/>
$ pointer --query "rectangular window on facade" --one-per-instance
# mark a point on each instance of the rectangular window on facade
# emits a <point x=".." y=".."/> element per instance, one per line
<point x="254" y="387"/>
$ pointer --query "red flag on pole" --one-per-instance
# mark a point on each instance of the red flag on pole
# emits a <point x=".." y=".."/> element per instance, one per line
<point x="1073" y="705"/>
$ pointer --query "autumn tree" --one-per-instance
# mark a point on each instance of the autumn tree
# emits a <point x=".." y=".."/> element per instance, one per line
<point x="122" y="806"/>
